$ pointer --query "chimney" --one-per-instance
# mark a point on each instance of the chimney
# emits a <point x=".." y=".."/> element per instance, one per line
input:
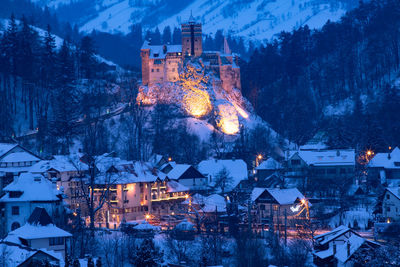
<point x="389" y="156"/>
<point x="348" y="249"/>
<point x="334" y="248"/>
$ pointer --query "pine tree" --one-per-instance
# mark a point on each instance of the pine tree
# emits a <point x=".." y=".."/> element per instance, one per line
<point x="87" y="60"/>
<point x="147" y="255"/>
<point x="166" y="36"/>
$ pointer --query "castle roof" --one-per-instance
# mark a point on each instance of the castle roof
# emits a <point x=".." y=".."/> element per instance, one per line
<point x="160" y="51"/>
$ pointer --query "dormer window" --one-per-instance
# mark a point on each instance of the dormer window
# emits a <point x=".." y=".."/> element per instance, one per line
<point x="156" y="55"/>
<point x="15" y="194"/>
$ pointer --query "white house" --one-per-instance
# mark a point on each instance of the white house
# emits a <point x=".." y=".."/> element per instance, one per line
<point x="39" y="232"/>
<point x="187" y="175"/>
<point x="236" y="169"/>
<point x="23" y="195"/>
<point x="336" y="247"/>
<point x="391" y="204"/>
<point x="14" y="160"/>
<point x="385" y="167"/>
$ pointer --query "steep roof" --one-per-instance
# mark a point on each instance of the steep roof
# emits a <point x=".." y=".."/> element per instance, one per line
<point x="173" y="186"/>
<point x="19" y="157"/>
<point x="40" y="216"/>
<point x="386" y="160"/>
<point x="269" y="164"/>
<point x="395" y="191"/>
<point x="17" y="254"/>
<point x="34" y="187"/>
<point x="282" y="196"/>
<point x="326" y="157"/>
<point x="159" y="52"/>
<point x="329" y="236"/>
<point x="61" y="163"/>
<point x="5" y="147"/>
<point x="237" y="169"/>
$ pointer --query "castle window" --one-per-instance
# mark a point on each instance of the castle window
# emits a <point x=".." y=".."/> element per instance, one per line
<point x="173" y="69"/>
<point x="152" y="70"/>
<point x="158" y="70"/>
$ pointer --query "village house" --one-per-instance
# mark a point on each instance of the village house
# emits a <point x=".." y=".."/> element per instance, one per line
<point x="391" y="204"/>
<point x="272" y="205"/>
<point x="384" y="168"/>
<point x="67" y="171"/>
<point x="235" y="171"/>
<point x="321" y="164"/>
<point x="162" y="63"/>
<point x="39" y="232"/>
<point x="187" y="175"/>
<point x="337" y="247"/>
<point x="14" y="160"/>
<point x="136" y="193"/>
<point x="267" y="168"/>
<point x="23" y="195"/>
<point x="16" y="255"/>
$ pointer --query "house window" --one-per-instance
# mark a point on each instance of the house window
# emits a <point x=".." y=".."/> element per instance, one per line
<point x="388" y="209"/>
<point x="158" y="70"/>
<point x="262" y="207"/>
<point x="275" y="207"/>
<point x="295" y="162"/>
<point x="56" y="241"/>
<point x="152" y="70"/>
<point x="342" y="171"/>
<point x="14" y="210"/>
<point x="387" y="196"/>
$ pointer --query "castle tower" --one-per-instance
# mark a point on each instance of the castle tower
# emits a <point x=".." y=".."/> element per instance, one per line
<point x="192" y="38"/>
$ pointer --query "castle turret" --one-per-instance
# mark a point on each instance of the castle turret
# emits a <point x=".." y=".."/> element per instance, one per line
<point x="192" y="38"/>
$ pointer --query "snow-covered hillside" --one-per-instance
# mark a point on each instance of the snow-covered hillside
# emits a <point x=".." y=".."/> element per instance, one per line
<point x="252" y="19"/>
<point x="256" y="19"/>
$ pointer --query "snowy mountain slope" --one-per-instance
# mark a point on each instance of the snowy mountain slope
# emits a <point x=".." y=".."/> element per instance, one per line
<point x="254" y="19"/>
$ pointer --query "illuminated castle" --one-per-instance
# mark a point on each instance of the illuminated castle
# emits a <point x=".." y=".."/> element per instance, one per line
<point x="162" y="63"/>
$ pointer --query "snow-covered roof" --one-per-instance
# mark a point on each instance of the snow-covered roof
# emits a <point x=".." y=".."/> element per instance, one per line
<point x="237" y="169"/>
<point x="177" y="171"/>
<point x="17" y="254"/>
<point x="5" y="147"/>
<point x="19" y="157"/>
<point x="174" y="186"/>
<point x="282" y="196"/>
<point x="329" y="236"/>
<point x="344" y="250"/>
<point x="185" y="226"/>
<point x="29" y="231"/>
<point x="34" y="187"/>
<point x="327" y="157"/>
<point x="214" y="203"/>
<point x="145" y="226"/>
<point x="395" y="191"/>
<point x="157" y="51"/>
<point x="60" y="163"/>
<point x="138" y="172"/>
<point x="386" y="160"/>
<point x="269" y="164"/>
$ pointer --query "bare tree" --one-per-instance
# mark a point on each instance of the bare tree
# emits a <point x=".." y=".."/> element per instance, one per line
<point x="223" y="180"/>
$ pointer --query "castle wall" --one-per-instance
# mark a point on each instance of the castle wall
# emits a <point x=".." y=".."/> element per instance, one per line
<point x="145" y="53"/>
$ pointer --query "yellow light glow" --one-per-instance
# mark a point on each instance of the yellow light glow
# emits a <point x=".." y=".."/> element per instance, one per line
<point x="240" y="111"/>
<point x="169" y="159"/>
<point x="197" y="103"/>
<point x="369" y="152"/>
<point x="260" y="156"/>
<point x="228" y="121"/>
<point x="303" y="201"/>
<point x="147" y="216"/>
<point x="388" y="220"/>
<point x="187" y="196"/>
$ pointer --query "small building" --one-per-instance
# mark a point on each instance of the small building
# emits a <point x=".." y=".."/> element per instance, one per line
<point x="267" y="168"/>
<point x="184" y="231"/>
<point x="236" y="170"/>
<point x="39" y="232"/>
<point x="337" y="247"/>
<point x="391" y="204"/>
<point x="186" y="175"/>
<point x="14" y="160"/>
<point x="23" y="195"/>
<point x="145" y="230"/>
<point x="16" y="255"/>
<point x="271" y="205"/>
<point x="384" y="168"/>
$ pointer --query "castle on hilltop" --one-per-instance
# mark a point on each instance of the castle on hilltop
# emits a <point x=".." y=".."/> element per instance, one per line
<point x="162" y="63"/>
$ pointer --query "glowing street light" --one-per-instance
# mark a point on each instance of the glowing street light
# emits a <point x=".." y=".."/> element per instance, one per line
<point x="369" y="152"/>
<point x="147" y="216"/>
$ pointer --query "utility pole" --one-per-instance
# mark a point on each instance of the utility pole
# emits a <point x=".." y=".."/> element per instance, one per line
<point x="285" y="228"/>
